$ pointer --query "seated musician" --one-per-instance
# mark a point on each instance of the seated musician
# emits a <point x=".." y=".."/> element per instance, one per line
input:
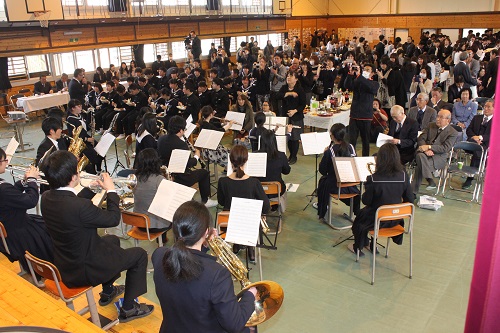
<point x="149" y="176"/>
<point x="328" y="183"/>
<point x="238" y="184"/>
<point x="52" y="128"/>
<point x="75" y="120"/>
<point x="42" y="87"/>
<point x="25" y="232"/>
<point x="255" y="133"/>
<point x="479" y="132"/>
<point x="154" y="100"/>
<point x="220" y="154"/>
<point x="204" y="94"/>
<point x="122" y="108"/>
<point x="126" y="122"/>
<point x="388" y="185"/>
<point x="105" y="111"/>
<point x="144" y="85"/>
<point x="81" y="255"/>
<point x="173" y="140"/>
<point x="176" y="88"/>
<point x="93" y="98"/>
<point x="220" y="98"/>
<point x="404" y="130"/>
<point x="146" y="134"/>
<point x="434" y="144"/>
<point x="168" y="105"/>
<point x="243" y="106"/>
<point x="191" y="102"/>
<point x="196" y="293"/>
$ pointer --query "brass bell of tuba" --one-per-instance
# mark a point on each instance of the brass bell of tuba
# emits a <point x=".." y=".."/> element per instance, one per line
<point x="270" y="294"/>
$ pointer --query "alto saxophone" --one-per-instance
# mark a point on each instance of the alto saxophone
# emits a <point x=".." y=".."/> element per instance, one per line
<point x="77" y="146"/>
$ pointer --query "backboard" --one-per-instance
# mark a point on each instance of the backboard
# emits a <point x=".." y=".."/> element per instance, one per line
<point x="23" y="10"/>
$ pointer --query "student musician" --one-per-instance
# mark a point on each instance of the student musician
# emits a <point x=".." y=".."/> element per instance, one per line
<point x="255" y="133"/>
<point x="75" y="120"/>
<point x="106" y="110"/>
<point x="243" y="106"/>
<point x="52" y="128"/>
<point x="168" y="105"/>
<point x="146" y="134"/>
<point x="328" y="183"/>
<point x="125" y="123"/>
<point x="174" y="140"/>
<point x="191" y="102"/>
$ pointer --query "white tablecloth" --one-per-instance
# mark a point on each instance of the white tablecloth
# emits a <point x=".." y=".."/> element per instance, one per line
<point x="327" y="122"/>
<point x="34" y="103"/>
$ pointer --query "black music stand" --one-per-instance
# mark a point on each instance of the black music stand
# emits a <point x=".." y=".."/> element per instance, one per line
<point x="118" y="163"/>
<point x="314" y="194"/>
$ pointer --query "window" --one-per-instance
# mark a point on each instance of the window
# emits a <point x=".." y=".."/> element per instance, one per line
<point x="85" y="59"/>
<point x="125" y="54"/>
<point x="3" y="16"/>
<point x="276" y="39"/>
<point x="71" y="3"/>
<point x="162" y="48"/>
<point x="37" y="64"/>
<point x="206" y="44"/>
<point x="465" y="31"/>
<point x="16" y="66"/>
<point x="149" y="53"/>
<point x="64" y="63"/>
<point x="199" y="3"/>
<point x="178" y="50"/>
<point x="114" y="57"/>
<point x="97" y="3"/>
<point x="240" y="39"/>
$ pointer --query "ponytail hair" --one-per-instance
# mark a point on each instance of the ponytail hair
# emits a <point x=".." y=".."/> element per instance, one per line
<point x="238" y="158"/>
<point x="190" y="223"/>
<point x="338" y="132"/>
<point x="206" y="112"/>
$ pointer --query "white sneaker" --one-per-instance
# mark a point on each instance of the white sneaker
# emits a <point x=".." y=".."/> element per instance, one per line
<point x="120" y="137"/>
<point x="315" y="205"/>
<point x="211" y="203"/>
<point x="133" y="136"/>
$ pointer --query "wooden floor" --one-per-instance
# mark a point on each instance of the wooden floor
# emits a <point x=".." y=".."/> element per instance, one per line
<point x="21" y="304"/>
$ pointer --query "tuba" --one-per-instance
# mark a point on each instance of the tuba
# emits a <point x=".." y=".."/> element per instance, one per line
<point x="270" y="294"/>
<point x="77" y="146"/>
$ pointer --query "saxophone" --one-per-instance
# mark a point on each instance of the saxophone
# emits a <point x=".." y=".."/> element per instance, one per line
<point x="77" y="146"/>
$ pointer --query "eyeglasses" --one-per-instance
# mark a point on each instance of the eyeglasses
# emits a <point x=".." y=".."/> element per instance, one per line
<point x="1" y="161"/>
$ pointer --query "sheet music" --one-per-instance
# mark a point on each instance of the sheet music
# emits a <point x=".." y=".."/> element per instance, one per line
<point x="383" y="139"/>
<point x="11" y="148"/>
<point x="315" y="143"/>
<point x="190" y="127"/>
<point x="290" y="187"/>
<point x="104" y="144"/>
<point x="362" y="168"/>
<point x="209" y="139"/>
<point x="281" y="141"/>
<point x="271" y="122"/>
<point x="244" y="221"/>
<point x="237" y="117"/>
<point x="178" y="161"/>
<point x="419" y="133"/>
<point x="345" y="171"/>
<point x="255" y="167"/>
<point x="169" y="196"/>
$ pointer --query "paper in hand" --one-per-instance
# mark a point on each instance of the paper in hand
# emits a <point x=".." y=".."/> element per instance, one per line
<point x="190" y="127"/>
<point x="244" y="221"/>
<point x="11" y="149"/>
<point x="169" y="196"/>
<point x="178" y="161"/>
<point x="383" y="139"/>
<point x="104" y="144"/>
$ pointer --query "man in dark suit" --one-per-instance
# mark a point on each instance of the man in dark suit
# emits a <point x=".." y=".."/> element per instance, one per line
<point x="490" y="78"/>
<point x="380" y="47"/>
<point x="409" y="47"/>
<point x="422" y="113"/>
<point x="77" y="87"/>
<point x="404" y="131"/>
<point x="52" y="127"/>
<point x="434" y="144"/>
<point x="62" y="83"/>
<point x="42" y="87"/>
<point x="195" y="45"/>
<point x="81" y="255"/>
<point x="479" y="132"/>
<point x="173" y="140"/>
<point x="162" y="80"/>
<point x="364" y="90"/>
<point x="191" y="102"/>
<point x="455" y="90"/>
<point x="463" y="69"/>
<point x="436" y="101"/>
<point x="157" y="64"/>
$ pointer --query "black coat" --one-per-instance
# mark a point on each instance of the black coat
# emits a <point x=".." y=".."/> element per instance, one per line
<point x="274" y="168"/>
<point x="60" y="85"/>
<point x="40" y="88"/>
<point x="477" y="128"/>
<point x="408" y="136"/>
<point x="46" y="144"/>
<point x="77" y="91"/>
<point x="491" y="73"/>
<point x="193" y="106"/>
<point x="462" y="69"/>
<point x="206" y="304"/>
<point x="291" y="103"/>
<point x="82" y="257"/>
<point x="364" y="92"/>
<point x="167" y="143"/>
<point x="220" y="102"/>
<point x="396" y="87"/>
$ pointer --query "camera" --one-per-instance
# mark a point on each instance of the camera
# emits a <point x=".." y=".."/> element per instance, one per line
<point x="416" y="78"/>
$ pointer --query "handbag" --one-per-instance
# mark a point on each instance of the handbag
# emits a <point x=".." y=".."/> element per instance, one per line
<point x="448" y="60"/>
<point x="383" y="94"/>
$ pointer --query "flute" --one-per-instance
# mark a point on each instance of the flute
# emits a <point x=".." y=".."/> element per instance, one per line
<point x="190" y="146"/>
<point x="226" y="121"/>
<point x="281" y="125"/>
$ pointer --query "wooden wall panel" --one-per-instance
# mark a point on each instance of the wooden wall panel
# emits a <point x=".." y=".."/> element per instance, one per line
<point x="257" y="25"/>
<point x="87" y="36"/>
<point x="152" y="31"/>
<point x="309" y="23"/>
<point x="21" y="42"/>
<point x="115" y="33"/>
<point x="276" y="25"/>
<point x="236" y="26"/>
<point x="180" y="29"/>
<point x="211" y="28"/>
<point x="323" y="23"/>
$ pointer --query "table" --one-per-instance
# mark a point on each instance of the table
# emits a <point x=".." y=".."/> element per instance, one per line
<point x="34" y="103"/>
<point x="327" y="122"/>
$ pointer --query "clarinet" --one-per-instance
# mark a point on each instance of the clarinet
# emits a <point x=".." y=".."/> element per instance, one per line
<point x="190" y="146"/>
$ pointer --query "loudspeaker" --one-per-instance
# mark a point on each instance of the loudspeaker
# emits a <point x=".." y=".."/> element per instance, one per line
<point x="212" y="4"/>
<point x="117" y="5"/>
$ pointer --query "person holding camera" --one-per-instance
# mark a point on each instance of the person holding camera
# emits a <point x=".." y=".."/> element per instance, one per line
<point x="421" y="84"/>
<point x="277" y="77"/>
<point x="345" y="68"/>
<point x="222" y="62"/>
<point x="261" y="75"/>
<point x="327" y="75"/>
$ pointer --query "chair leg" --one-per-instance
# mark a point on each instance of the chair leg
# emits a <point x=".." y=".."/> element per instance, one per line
<point x="374" y="253"/>
<point x="136" y="243"/>
<point x="351" y="209"/>
<point x="387" y="248"/>
<point x="70" y="305"/>
<point x="160" y="241"/>
<point x="329" y="211"/>
<point x="357" y="255"/>
<point x="411" y="255"/>
<point x="93" y="308"/>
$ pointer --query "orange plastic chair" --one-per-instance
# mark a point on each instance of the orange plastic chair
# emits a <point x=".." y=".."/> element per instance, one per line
<point x="137" y="220"/>
<point x="221" y="222"/>
<point x="53" y="282"/>
<point x="388" y="213"/>
<point x="274" y="189"/>
<point x="3" y="236"/>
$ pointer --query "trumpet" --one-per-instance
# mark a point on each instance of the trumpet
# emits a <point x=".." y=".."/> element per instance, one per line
<point x="130" y="181"/>
<point x="226" y="120"/>
<point x="17" y="171"/>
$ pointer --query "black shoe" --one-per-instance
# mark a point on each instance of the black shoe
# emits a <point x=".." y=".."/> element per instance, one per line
<point x="467" y="184"/>
<point x="432" y="184"/>
<point x="236" y="248"/>
<point x="251" y="255"/>
<point x="138" y="311"/>
<point x="108" y="298"/>
<point x="292" y="160"/>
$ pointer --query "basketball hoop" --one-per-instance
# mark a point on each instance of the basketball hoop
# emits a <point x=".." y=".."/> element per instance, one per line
<point x="42" y="17"/>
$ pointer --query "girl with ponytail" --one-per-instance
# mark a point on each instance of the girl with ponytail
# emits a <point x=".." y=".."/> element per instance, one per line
<point x="195" y="292"/>
<point x="328" y="183"/>
<point x="239" y="184"/>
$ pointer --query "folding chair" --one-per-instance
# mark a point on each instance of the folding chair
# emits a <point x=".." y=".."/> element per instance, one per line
<point x="273" y="189"/>
<point x="56" y="286"/>
<point x="463" y="150"/>
<point x="137" y="220"/>
<point x="13" y="102"/>
<point x="350" y="217"/>
<point x="3" y="235"/>
<point x="388" y="213"/>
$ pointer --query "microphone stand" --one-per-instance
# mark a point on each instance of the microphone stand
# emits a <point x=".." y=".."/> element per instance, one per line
<point x="314" y="194"/>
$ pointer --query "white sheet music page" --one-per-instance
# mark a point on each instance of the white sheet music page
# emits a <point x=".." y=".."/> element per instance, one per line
<point x="278" y="120"/>
<point x="383" y="139"/>
<point x="281" y="141"/>
<point x="324" y="141"/>
<point x="209" y="139"/>
<point x="256" y="165"/>
<point x="244" y="221"/>
<point x="237" y="117"/>
<point x="362" y="168"/>
<point x="345" y="171"/>
<point x="11" y="148"/>
<point x="178" y="161"/>
<point x="104" y="144"/>
<point x="169" y="196"/>
<point x="315" y="143"/>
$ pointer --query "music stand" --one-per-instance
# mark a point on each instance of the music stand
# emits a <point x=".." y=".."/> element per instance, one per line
<point x="314" y="193"/>
<point x="109" y="130"/>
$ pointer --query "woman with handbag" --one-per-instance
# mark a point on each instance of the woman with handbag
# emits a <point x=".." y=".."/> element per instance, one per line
<point x="392" y="89"/>
<point x="379" y="121"/>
